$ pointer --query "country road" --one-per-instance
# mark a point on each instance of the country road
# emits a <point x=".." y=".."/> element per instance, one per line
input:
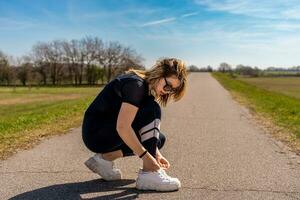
<point x="213" y="145"/>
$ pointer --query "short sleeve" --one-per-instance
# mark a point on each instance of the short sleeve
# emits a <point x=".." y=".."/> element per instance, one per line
<point x="133" y="92"/>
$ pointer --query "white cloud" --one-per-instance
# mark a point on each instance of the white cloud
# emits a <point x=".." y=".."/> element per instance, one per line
<point x="283" y="26"/>
<point x="156" y="22"/>
<point x="189" y="14"/>
<point x="166" y="20"/>
<point x="212" y="42"/>
<point x="268" y="9"/>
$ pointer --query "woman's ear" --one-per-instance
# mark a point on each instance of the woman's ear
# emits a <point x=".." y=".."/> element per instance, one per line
<point x="156" y="83"/>
<point x="152" y="92"/>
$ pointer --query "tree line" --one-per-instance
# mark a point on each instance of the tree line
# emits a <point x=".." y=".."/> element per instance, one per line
<point x="246" y="70"/>
<point x="89" y="60"/>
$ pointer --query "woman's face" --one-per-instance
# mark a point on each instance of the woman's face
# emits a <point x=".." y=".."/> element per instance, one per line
<point x="172" y="81"/>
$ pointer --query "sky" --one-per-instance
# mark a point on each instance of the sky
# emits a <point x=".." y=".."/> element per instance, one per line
<point x="258" y="33"/>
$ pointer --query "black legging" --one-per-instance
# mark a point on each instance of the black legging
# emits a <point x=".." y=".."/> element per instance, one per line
<point x="146" y="126"/>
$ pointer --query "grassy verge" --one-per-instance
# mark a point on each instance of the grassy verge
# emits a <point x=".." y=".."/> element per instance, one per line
<point x="289" y="86"/>
<point x="270" y="107"/>
<point x="24" y="123"/>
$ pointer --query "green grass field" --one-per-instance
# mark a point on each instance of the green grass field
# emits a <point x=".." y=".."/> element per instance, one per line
<point x="275" y="98"/>
<point x="28" y="115"/>
<point x="281" y="73"/>
<point x="286" y="85"/>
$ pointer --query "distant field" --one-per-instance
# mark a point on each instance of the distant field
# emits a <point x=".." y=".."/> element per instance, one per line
<point x="27" y="115"/>
<point x="276" y="99"/>
<point x="281" y="73"/>
<point x="287" y="85"/>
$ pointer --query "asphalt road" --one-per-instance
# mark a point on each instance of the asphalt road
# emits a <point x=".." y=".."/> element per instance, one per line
<point x="213" y="145"/>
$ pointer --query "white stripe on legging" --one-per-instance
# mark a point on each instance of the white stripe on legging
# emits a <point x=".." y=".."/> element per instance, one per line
<point x="150" y="134"/>
<point x="154" y="123"/>
<point x="153" y="133"/>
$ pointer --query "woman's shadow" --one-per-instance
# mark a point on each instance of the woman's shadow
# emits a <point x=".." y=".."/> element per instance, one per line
<point x="71" y="191"/>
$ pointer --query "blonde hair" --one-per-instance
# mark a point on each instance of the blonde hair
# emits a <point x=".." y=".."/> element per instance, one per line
<point x="164" y="67"/>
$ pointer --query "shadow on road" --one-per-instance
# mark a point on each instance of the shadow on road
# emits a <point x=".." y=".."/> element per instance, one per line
<point x="71" y="191"/>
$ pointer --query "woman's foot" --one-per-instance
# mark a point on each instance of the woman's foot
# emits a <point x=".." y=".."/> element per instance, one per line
<point x="103" y="167"/>
<point x="157" y="180"/>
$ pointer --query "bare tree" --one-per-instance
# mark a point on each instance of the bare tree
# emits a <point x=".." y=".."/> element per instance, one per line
<point x="209" y="68"/>
<point x="71" y="54"/>
<point x="193" y="68"/>
<point x="41" y="60"/>
<point x="90" y="47"/>
<point x="25" y="70"/>
<point x="113" y="58"/>
<point x="224" y="67"/>
<point x="54" y="52"/>
<point x="129" y="59"/>
<point x="75" y="59"/>
<point x="61" y="61"/>
<point x="82" y="54"/>
<point x="68" y="58"/>
<point x="5" y="70"/>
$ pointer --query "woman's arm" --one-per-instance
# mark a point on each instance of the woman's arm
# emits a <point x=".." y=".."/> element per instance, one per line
<point x="125" y="118"/>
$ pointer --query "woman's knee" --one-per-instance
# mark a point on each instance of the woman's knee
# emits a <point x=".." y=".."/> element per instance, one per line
<point x="148" y="115"/>
<point x="162" y="140"/>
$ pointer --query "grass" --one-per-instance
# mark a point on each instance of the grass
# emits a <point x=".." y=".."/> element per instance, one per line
<point x="26" y="115"/>
<point x="286" y="85"/>
<point x="273" y="99"/>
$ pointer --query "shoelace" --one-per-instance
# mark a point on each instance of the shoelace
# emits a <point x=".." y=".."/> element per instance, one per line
<point x="113" y="166"/>
<point x="163" y="171"/>
<point x="163" y="175"/>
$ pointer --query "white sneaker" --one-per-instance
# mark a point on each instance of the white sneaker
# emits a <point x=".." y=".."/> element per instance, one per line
<point x="104" y="168"/>
<point x="174" y="179"/>
<point x="158" y="181"/>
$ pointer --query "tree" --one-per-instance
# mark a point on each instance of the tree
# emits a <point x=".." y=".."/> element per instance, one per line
<point x="113" y="54"/>
<point x="129" y="59"/>
<point x="74" y="56"/>
<point x="74" y="61"/>
<point x="209" y="68"/>
<point x="41" y="60"/>
<point x="224" y="67"/>
<point x="193" y="68"/>
<point x="5" y="71"/>
<point x="54" y="52"/>
<point x="25" y="70"/>
<point x="69" y="60"/>
<point x="247" y="70"/>
<point x="89" y="47"/>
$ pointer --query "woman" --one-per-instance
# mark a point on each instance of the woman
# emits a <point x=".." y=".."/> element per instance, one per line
<point x="124" y="120"/>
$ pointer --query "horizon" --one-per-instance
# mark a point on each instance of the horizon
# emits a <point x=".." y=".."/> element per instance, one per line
<point x="200" y="32"/>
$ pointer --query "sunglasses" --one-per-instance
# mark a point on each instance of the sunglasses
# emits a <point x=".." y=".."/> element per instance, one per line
<point x="168" y="87"/>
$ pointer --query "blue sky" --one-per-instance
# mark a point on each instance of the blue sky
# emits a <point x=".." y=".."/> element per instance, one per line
<point x="202" y="32"/>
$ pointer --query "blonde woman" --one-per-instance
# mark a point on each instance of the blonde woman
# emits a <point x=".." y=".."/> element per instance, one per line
<point x="124" y="120"/>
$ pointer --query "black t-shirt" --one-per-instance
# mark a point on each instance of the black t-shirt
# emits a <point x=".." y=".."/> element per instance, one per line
<point x="105" y="108"/>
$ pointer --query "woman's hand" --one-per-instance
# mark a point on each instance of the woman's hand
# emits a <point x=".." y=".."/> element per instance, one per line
<point x="149" y="163"/>
<point x="162" y="161"/>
